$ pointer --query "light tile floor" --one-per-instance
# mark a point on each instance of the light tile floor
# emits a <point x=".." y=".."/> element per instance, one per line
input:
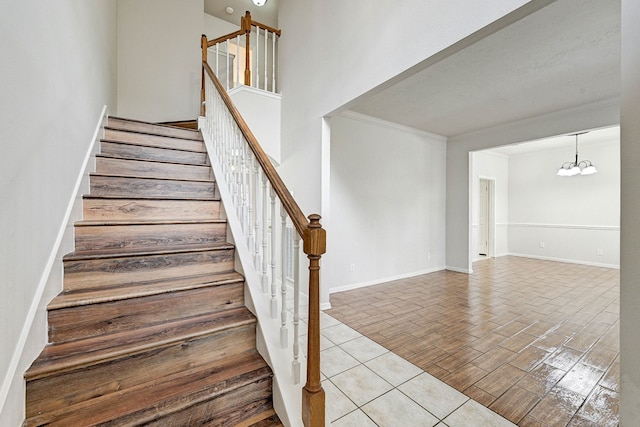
<point x="368" y="385"/>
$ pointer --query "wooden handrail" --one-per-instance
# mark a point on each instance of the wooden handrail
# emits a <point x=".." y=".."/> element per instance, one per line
<point x="314" y="246"/>
<point x="293" y="210"/>
<point x="225" y="38"/>
<point x="246" y="24"/>
<point x="266" y="27"/>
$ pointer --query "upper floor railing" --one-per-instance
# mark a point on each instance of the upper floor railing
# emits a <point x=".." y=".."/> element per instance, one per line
<point x="247" y="57"/>
<point x="272" y="226"/>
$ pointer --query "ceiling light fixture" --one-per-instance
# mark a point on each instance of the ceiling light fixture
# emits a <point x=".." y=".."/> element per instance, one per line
<point x="259" y="2"/>
<point x="584" y="167"/>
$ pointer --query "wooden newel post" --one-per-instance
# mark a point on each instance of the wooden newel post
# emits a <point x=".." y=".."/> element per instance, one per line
<point x="315" y="244"/>
<point x="205" y="46"/>
<point x="247" y="64"/>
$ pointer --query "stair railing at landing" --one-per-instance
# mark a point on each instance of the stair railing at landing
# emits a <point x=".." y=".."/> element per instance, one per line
<point x="247" y="56"/>
<point x="265" y="213"/>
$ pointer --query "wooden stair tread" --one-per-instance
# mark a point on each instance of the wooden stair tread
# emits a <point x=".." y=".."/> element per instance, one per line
<point x="194" y="136"/>
<point x="115" y="141"/>
<point x="151" y="161"/>
<point x="150" y="178"/>
<point x="265" y="419"/>
<point x="165" y="129"/>
<point x="215" y="198"/>
<point x="141" y="167"/>
<point x="116" y="156"/>
<point x="120" y="253"/>
<point x="90" y="223"/>
<point x="72" y="355"/>
<point x="152" y="400"/>
<point x="95" y="296"/>
<point x="151" y="187"/>
<point x="135" y="199"/>
<point x="137" y="152"/>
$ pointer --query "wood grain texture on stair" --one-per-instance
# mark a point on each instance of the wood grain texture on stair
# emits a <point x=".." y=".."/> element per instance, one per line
<point x="176" y="393"/>
<point x="103" y="269"/>
<point x="83" y="321"/>
<point x="149" y="140"/>
<point x="100" y="208"/>
<point x="151" y="327"/>
<point x="151" y="287"/>
<point x="148" y="235"/>
<point x="153" y="128"/>
<point x="139" y="152"/>
<point x="109" y="165"/>
<point x="87" y="368"/>
<point x="127" y="187"/>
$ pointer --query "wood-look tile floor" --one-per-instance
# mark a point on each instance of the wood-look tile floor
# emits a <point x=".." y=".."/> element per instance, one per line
<point x="535" y="341"/>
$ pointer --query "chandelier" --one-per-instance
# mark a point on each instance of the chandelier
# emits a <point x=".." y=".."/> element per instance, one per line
<point x="583" y="167"/>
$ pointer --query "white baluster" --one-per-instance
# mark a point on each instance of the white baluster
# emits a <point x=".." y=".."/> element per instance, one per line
<point x="274" y="285"/>
<point x="226" y="72"/>
<point x="237" y="151"/>
<point x="251" y="204"/>
<point x="265" y="277"/>
<point x="217" y="56"/>
<point x="296" y="307"/>
<point x="246" y="221"/>
<point x="266" y="57"/>
<point x="257" y="57"/>
<point x="256" y="187"/>
<point x="273" y="64"/>
<point x="284" y="333"/>
<point x="228" y="138"/>
<point x="236" y="63"/>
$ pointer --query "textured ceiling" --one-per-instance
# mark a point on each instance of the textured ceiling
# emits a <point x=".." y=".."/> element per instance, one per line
<point x="562" y="142"/>
<point x="565" y="55"/>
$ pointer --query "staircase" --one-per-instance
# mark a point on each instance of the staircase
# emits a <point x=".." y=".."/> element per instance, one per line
<point x="151" y="328"/>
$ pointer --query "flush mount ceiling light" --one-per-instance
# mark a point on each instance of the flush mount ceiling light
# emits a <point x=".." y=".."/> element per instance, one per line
<point x="259" y="2"/>
<point x="583" y="167"/>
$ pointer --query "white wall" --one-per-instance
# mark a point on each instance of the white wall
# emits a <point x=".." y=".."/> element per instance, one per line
<point x="494" y="166"/>
<point x="388" y="197"/>
<point x="56" y="74"/>
<point x="216" y="27"/>
<point x="573" y="216"/>
<point x="630" y="212"/>
<point x="159" y="59"/>
<point x="322" y="65"/>
<point x="261" y="111"/>
<point x="323" y="69"/>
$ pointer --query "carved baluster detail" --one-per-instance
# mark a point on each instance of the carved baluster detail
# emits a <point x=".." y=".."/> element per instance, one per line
<point x="265" y="275"/>
<point x="273" y="256"/>
<point x="296" y="308"/>
<point x="284" y="333"/>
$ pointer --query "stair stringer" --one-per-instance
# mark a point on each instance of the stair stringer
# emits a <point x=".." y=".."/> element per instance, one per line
<point x="287" y="396"/>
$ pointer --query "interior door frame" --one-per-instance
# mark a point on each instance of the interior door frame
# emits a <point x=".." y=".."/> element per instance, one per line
<point x="491" y="215"/>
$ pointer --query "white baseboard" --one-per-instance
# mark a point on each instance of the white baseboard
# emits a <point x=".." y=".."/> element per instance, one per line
<point x="325" y="306"/>
<point x="458" y="270"/>
<point x="570" y="261"/>
<point x="383" y="280"/>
